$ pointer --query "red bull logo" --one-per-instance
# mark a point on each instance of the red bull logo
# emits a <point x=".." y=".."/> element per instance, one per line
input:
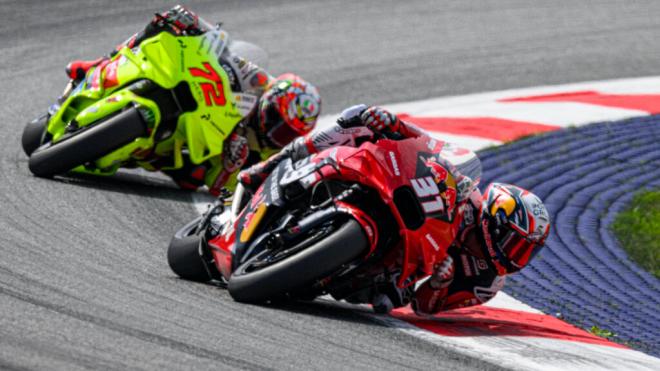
<point x="439" y="173"/>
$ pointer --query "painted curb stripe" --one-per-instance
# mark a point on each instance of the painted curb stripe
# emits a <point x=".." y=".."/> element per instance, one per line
<point x="561" y="114"/>
<point x="649" y="103"/>
<point x="488" y="321"/>
<point x="530" y="353"/>
<point x="480" y="127"/>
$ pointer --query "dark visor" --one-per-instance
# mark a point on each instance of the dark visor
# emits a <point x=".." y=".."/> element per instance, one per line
<point x="517" y="250"/>
<point x="279" y="133"/>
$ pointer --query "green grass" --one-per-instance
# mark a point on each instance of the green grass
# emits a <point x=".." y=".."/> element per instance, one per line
<point x="638" y="230"/>
<point x="607" y="334"/>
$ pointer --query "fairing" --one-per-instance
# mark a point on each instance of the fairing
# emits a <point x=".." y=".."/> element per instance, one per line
<point x="167" y="61"/>
<point x="387" y="166"/>
<point x="228" y="248"/>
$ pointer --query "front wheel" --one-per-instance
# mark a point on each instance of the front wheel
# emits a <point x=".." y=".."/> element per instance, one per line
<point x="185" y="255"/>
<point x="33" y="134"/>
<point x="268" y="275"/>
<point x="87" y="145"/>
<point x="185" y="258"/>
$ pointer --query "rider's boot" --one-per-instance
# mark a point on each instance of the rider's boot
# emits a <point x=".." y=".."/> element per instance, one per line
<point x="382" y="304"/>
<point x="76" y="70"/>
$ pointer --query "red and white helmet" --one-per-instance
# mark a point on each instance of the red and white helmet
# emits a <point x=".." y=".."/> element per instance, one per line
<point x="515" y="224"/>
<point x="288" y="108"/>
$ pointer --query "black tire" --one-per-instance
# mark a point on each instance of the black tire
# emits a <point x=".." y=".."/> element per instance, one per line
<point x="184" y="258"/>
<point x="341" y="246"/>
<point x="33" y="134"/>
<point x="88" y="145"/>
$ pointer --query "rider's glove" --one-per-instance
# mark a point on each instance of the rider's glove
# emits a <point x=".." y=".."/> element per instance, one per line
<point x="236" y="152"/>
<point x="380" y="120"/>
<point x="178" y="19"/>
<point x="443" y="274"/>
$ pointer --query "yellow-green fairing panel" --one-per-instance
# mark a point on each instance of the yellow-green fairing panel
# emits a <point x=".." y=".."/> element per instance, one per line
<point x="167" y="61"/>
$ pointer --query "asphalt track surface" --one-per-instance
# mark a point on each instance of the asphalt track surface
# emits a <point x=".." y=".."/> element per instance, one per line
<point x="84" y="281"/>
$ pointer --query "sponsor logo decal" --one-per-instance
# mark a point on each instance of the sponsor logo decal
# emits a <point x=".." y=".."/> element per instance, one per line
<point x="395" y="164"/>
<point x="481" y="264"/>
<point x="466" y="265"/>
<point x="214" y="94"/>
<point x="424" y="188"/>
<point x="432" y="242"/>
<point x="274" y="186"/>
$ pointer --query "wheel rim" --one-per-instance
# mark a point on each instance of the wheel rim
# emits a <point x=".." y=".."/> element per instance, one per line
<point x="268" y="257"/>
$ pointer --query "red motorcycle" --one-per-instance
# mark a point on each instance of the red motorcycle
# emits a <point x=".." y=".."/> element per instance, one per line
<point x="353" y="222"/>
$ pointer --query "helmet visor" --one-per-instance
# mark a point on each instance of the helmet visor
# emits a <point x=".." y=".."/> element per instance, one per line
<point x="517" y="250"/>
<point x="278" y="132"/>
<point x="282" y="134"/>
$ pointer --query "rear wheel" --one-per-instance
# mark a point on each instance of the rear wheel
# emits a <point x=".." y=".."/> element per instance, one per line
<point x="87" y="145"/>
<point x="273" y="273"/>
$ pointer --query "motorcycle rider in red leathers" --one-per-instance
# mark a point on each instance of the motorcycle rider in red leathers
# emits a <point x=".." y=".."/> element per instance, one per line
<point x="500" y="232"/>
<point x="286" y="107"/>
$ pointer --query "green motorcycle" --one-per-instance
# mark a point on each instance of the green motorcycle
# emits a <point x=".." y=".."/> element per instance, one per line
<point x="157" y="100"/>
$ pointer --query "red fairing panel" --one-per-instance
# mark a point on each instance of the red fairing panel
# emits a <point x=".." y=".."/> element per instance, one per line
<point x="367" y="224"/>
<point x="386" y="167"/>
<point x="389" y="165"/>
<point x="224" y="244"/>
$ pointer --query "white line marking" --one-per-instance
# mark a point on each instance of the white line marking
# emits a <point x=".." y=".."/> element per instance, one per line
<point x="505" y="301"/>
<point x="471" y="143"/>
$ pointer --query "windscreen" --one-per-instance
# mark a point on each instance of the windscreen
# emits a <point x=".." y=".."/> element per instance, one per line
<point x="204" y="25"/>
<point x="467" y="163"/>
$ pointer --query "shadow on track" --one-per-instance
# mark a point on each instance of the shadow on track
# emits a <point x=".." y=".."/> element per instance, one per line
<point x="128" y="183"/>
<point x="326" y="309"/>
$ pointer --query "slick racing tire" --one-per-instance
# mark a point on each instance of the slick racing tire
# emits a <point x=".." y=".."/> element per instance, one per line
<point x="185" y="258"/>
<point x="320" y="259"/>
<point x="184" y="254"/>
<point x="33" y="134"/>
<point x="87" y="145"/>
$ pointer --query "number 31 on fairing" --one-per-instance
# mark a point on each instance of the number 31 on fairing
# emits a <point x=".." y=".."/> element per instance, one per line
<point x="429" y="194"/>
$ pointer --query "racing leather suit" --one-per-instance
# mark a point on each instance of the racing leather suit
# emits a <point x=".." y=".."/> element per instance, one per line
<point x="474" y="279"/>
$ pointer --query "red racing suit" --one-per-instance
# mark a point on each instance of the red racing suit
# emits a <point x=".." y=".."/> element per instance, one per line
<point x="475" y="279"/>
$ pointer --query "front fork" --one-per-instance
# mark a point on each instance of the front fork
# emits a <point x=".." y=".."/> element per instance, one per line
<point x="206" y="229"/>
